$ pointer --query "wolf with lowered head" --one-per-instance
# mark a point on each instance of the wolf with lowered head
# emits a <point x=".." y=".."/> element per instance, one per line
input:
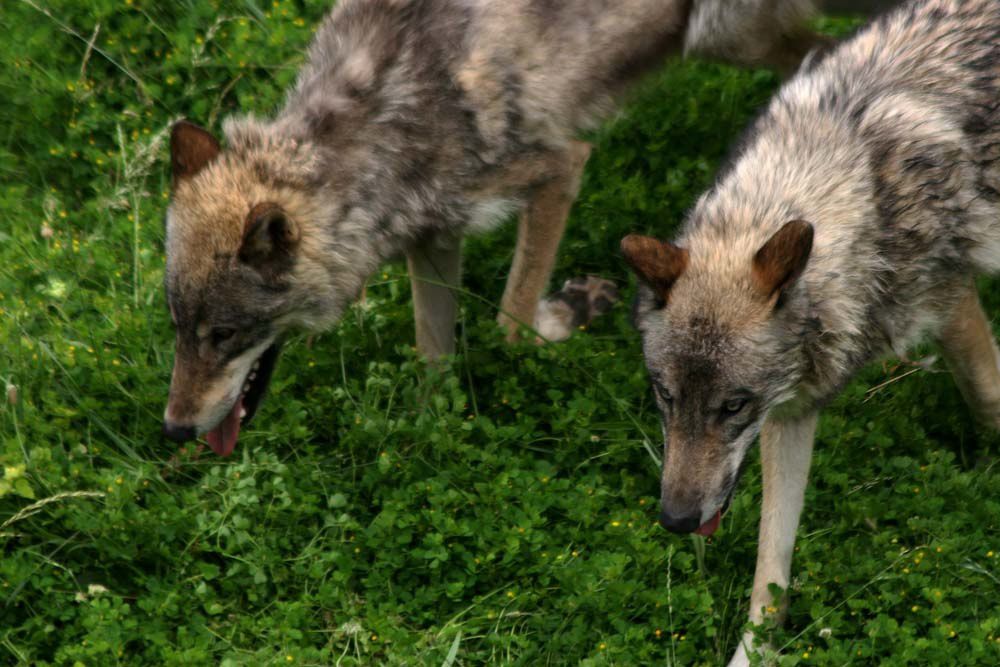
<point x="412" y="122"/>
<point x="851" y="223"/>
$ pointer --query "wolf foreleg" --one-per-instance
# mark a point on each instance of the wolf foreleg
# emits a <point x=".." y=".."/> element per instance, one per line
<point x="785" y="453"/>
<point x="971" y="353"/>
<point x="435" y="267"/>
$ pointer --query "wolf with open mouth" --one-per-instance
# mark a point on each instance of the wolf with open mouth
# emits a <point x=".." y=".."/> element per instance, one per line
<point x="412" y="122"/>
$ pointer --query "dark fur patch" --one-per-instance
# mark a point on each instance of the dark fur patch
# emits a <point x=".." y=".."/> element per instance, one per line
<point x="269" y="240"/>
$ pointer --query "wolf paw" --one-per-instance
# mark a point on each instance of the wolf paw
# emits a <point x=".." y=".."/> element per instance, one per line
<point x="764" y="653"/>
<point x="576" y="305"/>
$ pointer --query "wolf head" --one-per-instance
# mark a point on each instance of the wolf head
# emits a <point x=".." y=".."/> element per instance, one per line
<point x="720" y="323"/>
<point x="243" y="246"/>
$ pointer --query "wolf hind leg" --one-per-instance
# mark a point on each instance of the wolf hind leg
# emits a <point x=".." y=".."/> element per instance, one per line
<point x="539" y="231"/>
<point x="435" y="267"/>
<point x="971" y="352"/>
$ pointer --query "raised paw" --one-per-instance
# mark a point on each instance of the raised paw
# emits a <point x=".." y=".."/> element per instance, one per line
<point x="576" y="305"/>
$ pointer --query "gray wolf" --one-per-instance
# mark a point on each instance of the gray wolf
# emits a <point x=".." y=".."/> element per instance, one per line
<point x="411" y="123"/>
<point x="851" y="223"/>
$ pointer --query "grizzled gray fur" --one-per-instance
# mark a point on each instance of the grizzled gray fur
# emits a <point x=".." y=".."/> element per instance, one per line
<point x="850" y="224"/>
<point x="411" y="123"/>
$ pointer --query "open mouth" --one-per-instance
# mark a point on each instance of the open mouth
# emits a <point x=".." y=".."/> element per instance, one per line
<point x="222" y="439"/>
<point x="710" y="526"/>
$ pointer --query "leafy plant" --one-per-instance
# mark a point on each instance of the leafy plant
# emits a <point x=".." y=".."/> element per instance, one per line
<point x="498" y="509"/>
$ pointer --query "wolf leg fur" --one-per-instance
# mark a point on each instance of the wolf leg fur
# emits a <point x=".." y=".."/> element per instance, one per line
<point x="435" y="267"/>
<point x="971" y="352"/>
<point x="539" y="230"/>
<point x="785" y="453"/>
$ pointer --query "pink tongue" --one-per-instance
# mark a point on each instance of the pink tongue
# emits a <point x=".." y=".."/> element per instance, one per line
<point x="709" y="526"/>
<point x="222" y="438"/>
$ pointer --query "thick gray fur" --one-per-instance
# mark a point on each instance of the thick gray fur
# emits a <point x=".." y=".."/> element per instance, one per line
<point x="889" y="148"/>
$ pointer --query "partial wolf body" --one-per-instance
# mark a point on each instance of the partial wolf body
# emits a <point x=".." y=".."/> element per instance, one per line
<point x="851" y="223"/>
<point x="412" y="122"/>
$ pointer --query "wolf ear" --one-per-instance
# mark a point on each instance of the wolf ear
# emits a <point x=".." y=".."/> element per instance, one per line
<point x="780" y="261"/>
<point x="191" y="149"/>
<point x="269" y="240"/>
<point x="657" y="263"/>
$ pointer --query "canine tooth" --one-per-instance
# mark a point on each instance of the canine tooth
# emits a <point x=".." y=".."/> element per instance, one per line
<point x="253" y="376"/>
<point x="246" y="387"/>
<point x="243" y="413"/>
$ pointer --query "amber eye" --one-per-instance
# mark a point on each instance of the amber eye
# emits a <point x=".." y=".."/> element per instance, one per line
<point x="221" y="334"/>
<point x="664" y="393"/>
<point x="733" y="406"/>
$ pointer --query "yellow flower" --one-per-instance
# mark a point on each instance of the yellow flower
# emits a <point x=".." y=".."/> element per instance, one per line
<point x="13" y="472"/>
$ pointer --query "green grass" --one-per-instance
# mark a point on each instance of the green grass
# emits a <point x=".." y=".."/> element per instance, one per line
<point x="498" y="510"/>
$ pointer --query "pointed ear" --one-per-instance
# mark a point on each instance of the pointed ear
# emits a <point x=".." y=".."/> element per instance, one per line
<point x="780" y="261"/>
<point x="657" y="263"/>
<point x="270" y="238"/>
<point x="191" y="149"/>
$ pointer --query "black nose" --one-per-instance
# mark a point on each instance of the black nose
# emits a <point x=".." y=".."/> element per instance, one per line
<point x="179" y="433"/>
<point x="679" y="524"/>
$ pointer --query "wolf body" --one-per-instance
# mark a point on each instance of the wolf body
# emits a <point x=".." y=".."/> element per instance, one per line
<point x="851" y="223"/>
<point x="411" y="123"/>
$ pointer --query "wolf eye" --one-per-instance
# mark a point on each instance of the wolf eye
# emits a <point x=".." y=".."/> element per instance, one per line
<point x="663" y="393"/>
<point x="733" y="406"/>
<point x="222" y="334"/>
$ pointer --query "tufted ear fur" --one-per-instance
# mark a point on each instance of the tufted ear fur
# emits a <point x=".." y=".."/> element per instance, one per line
<point x="657" y="263"/>
<point x="192" y="148"/>
<point x="779" y="262"/>
<point x="270" y="239"/>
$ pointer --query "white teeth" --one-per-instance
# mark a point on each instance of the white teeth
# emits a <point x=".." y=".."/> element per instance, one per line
<point x="246" y="387"/>
<point x="253" y="376"/>
<point x="243" y="413"/>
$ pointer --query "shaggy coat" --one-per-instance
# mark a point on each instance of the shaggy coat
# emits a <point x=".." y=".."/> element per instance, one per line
<point x="850" y="223"/>
<point x="411" y="123"/>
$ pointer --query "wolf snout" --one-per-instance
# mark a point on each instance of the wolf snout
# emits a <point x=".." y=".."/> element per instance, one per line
<point x="680" y="523"/>
<point x="179" y="432"/>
